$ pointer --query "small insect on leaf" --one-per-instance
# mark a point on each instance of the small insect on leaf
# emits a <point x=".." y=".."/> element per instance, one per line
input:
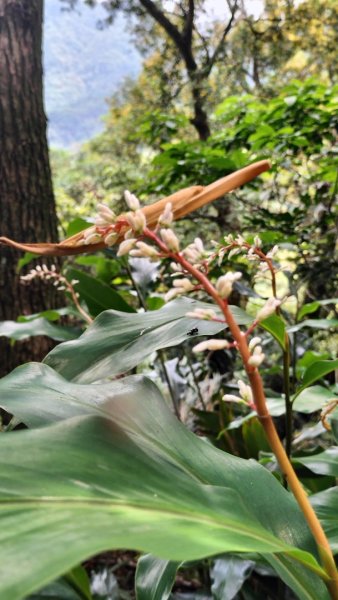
<point x="193" y="331"/>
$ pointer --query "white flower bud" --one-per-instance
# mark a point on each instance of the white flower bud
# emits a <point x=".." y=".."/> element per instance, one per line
<point x="224" y="284"/>
<point x="240" y="240"/>
<point x="268" y="309"/>
<point x="176" y="267"/>
<point x="111" y="238"/>
<point x="126" y="246"/>
<point x="93" y="238"/>
<point x="272" y="252"/>
<point x="256" y="360"/>
<point x="211" y="345"/>
<point x="170" y="239"/>
<point x="106" y="213"/>
<point x="132" y="202"/>
<point x="233" y="252"/>
<point x="245" y="391"/>
<point x="257" y="241"/>
<point x="231" y="398"/>
<point x="184" y="283"/>
<point x="145" y="250"/>
<point x="254" y="341"/>
<point x="229" y="238"/>
<point x="137" y="221"/>
<point x="167" y="217"/>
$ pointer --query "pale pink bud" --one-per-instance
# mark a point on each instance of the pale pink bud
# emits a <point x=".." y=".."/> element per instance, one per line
<point x="145" y="250"/>
<point x="231" y="398"/>
<point x="111" y="238"/>
<point x="229" y="238"/>
<point x="224" y="284"/>
<point x="211" y="345"/>
<point x="268" y="309"/>
<point x="126" y="246"/>
<point x="167" y="217"/>
<point x="92" y="238"/>
<point x="254" y="341"/>
<point x="233" y="252"/>
<point x="184" y="283"/>
<point x="170" y="240"/>
<point x="176" y="267"/>
<point x="132" y="201"/>
<point x="245" y="391"/>
<point x="137" y="221"/>
<point x="272" y="252"/>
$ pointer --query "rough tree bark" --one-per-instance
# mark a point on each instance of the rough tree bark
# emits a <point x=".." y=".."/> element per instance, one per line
<point x="27" y="205"/>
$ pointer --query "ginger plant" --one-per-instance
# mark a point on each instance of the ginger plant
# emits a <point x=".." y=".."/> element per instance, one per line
<point x="191" y="268"/>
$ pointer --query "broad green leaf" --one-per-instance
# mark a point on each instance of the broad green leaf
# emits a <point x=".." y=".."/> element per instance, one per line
<point x="154" y="578"/>
<point x="314" y="324"/>
<point x="325" y="463"/>
<point x="98" y="295"/>
<point x="315" y="372"/>
<point x="228" y="575"/>
<point x="116" y="342"/>
<point x="40" y="326"/>
<point x="83" y="486"/>
<point x="276" y="326"/>
<point x="313" y="306"/>
<point x="312" y="399"/>
<point x="326" y="507"/>
<point x="38" y="396"/>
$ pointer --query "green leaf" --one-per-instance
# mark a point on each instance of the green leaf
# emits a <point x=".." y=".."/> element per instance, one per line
<point x="326" y="507"/>
<point x="111" y="494"/>
<point x="77" y="225"/>
<point x="40" y="326"/>
<point x="314" y="324"/>
<point x="38" y="396"/>
<point x="117" y="342"/>
<point x="98" y="295"/>
<point x="312" y="399"/>
<point x="313" y="306"/>
<point x="325" y="463"/>
<point x="276" y="326"/>
<point x="25" y="260"/>
<point x="228" y="575"/>
<point x="51" y="315"/>
<point x="154" y="578"/>
<point x="314" y="372"/>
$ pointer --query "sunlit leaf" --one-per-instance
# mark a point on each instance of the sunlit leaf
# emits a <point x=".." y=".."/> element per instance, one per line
<point x="117" y="341"/>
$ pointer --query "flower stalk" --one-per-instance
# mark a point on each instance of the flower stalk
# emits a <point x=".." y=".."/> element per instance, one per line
<point x="264" y="416"/>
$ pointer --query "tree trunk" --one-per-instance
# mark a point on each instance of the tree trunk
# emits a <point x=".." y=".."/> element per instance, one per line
<point x="200" y="119"/>
<point x="27" y="205"/>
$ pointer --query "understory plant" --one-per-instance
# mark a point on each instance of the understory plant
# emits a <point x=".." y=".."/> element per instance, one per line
<point x="106" y="464"/>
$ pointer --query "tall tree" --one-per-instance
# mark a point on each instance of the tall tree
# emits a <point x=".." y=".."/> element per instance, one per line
<point x="27" y="205"/>
<point x="196" y="47"/>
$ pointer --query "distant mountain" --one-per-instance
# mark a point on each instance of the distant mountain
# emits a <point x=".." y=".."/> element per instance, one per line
<point x="83" y="67"/>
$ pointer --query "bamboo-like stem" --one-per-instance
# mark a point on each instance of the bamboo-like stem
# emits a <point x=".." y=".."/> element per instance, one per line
<point x="265" y="418"/>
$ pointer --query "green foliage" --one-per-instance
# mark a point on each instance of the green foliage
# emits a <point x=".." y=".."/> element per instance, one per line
<point x="133" y="462"/>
